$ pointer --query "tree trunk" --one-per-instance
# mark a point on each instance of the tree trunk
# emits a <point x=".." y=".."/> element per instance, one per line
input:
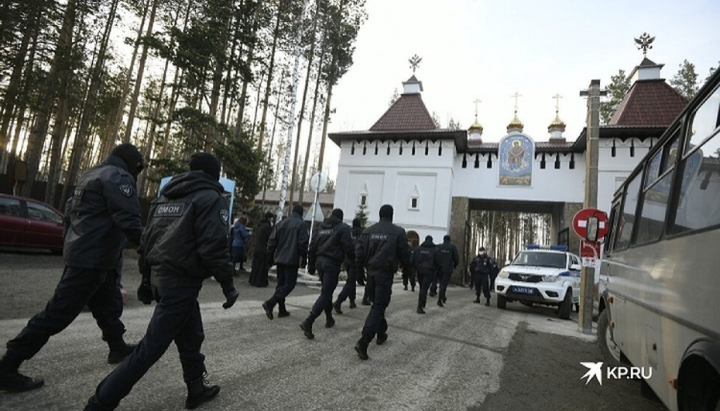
<point x="12" y="90"/>
<point x="139" y="78"/>
<point x="39" y="133"/>
<point x="276" y="35"/>
<point x="326" y="119"/>
<point x="217" y="84"/>
<point x="246" y="81"/>
<point x="312" y="124"/>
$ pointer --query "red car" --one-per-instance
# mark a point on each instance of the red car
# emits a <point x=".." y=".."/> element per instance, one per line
<point x="30" y="223"/>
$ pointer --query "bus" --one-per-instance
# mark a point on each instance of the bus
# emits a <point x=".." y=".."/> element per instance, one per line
<point x="659" y="305"/>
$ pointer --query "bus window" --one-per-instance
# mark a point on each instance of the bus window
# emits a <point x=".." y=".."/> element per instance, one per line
<point x="706" y="121"/>
<point x="613" y="226"/>
<point x="652" y="218"/>
<point x="627" y="219"/>
<point x="700" y="191"/>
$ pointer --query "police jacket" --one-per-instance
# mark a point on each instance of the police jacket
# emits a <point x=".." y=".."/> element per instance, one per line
<point x="355" y="233"/>
<point x="446" y="257"/>
<point x="104" y="211"/>
<point x="331" y="244"/>
<point x="288" y="243"/>
<point x="381" y="247"/>
<point x="186" y="236"/>
<point x="482" y="264"/>
<point x="423" y="258"/>
<point x="262" y="235"/>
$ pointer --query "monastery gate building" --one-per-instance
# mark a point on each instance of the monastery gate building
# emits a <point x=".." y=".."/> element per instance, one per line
<point x="435" y="177"/>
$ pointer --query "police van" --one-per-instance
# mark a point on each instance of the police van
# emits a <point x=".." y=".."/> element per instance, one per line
<point x="537" y="275"/>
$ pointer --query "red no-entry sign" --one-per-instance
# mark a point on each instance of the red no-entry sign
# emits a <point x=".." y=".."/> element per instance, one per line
<point x="581" y="219"/>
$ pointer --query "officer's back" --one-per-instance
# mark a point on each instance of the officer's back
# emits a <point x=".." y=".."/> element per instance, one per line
<point x="289" y="241"/>
<point x="332" y="242"/>
<point x="382" y="247"/>
<point x="447" y="256"/>
<point x="424" y="256"/>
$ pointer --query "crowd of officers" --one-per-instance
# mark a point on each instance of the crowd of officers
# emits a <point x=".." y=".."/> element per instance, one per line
<point x="185" y="241"/>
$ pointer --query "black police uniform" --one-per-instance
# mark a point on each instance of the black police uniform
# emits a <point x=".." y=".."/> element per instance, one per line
<point x="446" y="259"/>
<point x="287" y="247"/>
<point x="423" y="259"/>
<point x="260" y="264"/>
<point x="482" y="268"/>
<point x="381" y="248"/>
<point x="105" y="210"/>
<point x="331" y="244"/>
<point x="184" y="243"/>
<point x="409" y="276"/>
<point x="350" y="287"/>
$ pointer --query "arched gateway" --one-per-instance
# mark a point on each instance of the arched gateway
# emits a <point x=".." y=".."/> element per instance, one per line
<point x="435" y="177"/>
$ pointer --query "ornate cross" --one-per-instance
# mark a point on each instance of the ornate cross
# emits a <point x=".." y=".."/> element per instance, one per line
<point x="477" y="101"/>
<point x="516" y="95"/>
<point x="644" y="43"/>
<point x="414" y="62"/>
<point x="557" y="98"/>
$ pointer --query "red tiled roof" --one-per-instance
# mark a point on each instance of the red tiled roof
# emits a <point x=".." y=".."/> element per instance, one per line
<point x="652" y="103"/>
<point x="408" y="113"/>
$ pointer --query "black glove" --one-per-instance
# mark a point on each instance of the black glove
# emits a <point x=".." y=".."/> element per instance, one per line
<point x="311" y="269"/>
<point x="231" y="296"/>
<point x="144" y="292"/>
<point x="303" y="261"/>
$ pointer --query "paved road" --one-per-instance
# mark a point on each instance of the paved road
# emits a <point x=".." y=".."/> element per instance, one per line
<point x="463" y="356"/>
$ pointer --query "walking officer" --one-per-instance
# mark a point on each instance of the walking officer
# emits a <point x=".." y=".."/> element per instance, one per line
<point x="482" y="268"/>
<point x="331" y="245"/>
<point x="288" y="247"/>
<point x="423" y="259"/>
<point x="104" y="213"/>
<point x="184" y="243"/>
<point x="446" y="259"/>
<point x="348" y="291"/>
<point x="380" y="248"/>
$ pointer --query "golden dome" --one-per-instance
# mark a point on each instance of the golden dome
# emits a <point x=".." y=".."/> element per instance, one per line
<point x="557" y="124"/>
<point x="515" y="123"/>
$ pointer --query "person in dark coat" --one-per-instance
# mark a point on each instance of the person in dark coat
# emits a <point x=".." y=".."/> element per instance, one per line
<point x="261" y="261"/>
<point x="423" y="259"/>
<point x="482" y="268"/>
<point x="410" y="276"/>
<point x="185" y="242"/>
<point x="240" y="235"/>
<point x="105" y="214"/>
<point x="331" y="245"/>
<point x="348" y="291"/>
<point x="447" y="259"/>
<point x="380" y="249"/>
<point x="288" y="248"/>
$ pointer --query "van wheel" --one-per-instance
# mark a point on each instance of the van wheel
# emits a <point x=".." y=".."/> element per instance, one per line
<point x="566" y="306"/>
<point x="610" y="351"/>
<point x="501" y="302"/>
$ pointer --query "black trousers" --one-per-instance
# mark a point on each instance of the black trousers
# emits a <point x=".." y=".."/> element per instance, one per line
<point x="349" y="290"/>
<point x="380" y="285"/>
<point x="426" y="279"/>
<point x="408" y="278"/>
<point x="259" y="270"/>
<point x="330" y="277"/>
<point x="176" y="318"/>
<point x="482" y="282"/>
<point x="287" y="279"/>
<point x="98" y="289"/>
<point x="444" y="280"/>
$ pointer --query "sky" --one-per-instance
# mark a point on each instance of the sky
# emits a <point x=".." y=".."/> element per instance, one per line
<point x="491" y="49"/>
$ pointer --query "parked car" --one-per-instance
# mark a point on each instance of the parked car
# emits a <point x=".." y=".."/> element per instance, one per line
<point x="25" y="222"/>
<point x="541" y="276"/>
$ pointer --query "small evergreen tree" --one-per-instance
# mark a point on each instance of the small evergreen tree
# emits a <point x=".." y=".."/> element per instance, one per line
<point x="685" y="81"/>
<point x="616" y="90"/>
<point x="361" y="213"/>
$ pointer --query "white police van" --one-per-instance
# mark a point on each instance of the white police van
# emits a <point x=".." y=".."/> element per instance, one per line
<point x="548" y="276"/>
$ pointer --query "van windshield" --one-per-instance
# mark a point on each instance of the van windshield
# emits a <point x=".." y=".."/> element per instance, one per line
<point x="540" y="259"/>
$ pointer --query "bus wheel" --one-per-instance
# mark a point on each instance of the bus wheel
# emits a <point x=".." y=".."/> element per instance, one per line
<point x="610" y="351"/>
<point x="566" y="306"/>
<point x="697" y="385"/>
<point x="501" y="302"/>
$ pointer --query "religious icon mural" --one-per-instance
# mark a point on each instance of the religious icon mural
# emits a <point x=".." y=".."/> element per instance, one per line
<point x="516" y="153"/>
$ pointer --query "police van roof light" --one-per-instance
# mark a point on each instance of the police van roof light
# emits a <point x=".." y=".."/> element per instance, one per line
<point x="559" y="247"/>
<point x="533" y="247"/>
<point x="552" y="247"/>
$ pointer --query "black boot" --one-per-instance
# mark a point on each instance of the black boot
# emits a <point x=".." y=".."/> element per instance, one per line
<point x="420" y="310"/>
<point x="198" y="393"/>
<point x="119" y="350"/>
<point x="440" y="303"/>
<point x="487" y="302"/>
<point x="336" y="307"/>
<point x="306" y="326"/>
<point x="282" y="311"/>
<point x="365" y="301"/>
<point x="361" y="348"/>
<point x="329" y="322"/>
<point x="12" y="381"/>
<point x="268" y="307"/>
<point x="477" y="300"/>
<point x="352" y="303"/>
<point x="405" y="287"/>
<point x="381" y="338"/>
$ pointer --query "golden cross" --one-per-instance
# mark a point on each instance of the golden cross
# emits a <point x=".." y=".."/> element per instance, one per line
<point x="477" y="101"/>
<point x="516" y="95"/>
<point x="557" y="98"/>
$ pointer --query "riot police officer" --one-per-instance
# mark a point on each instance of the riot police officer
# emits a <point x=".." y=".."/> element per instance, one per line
<point x="287" y="246"/>
<point x="348" y="291"/>
<point x="104" y="213"/>
<point x="423" y="259"/>
<point x="331" y="244"/>
<point x="446" y="259"/>
<point x="482" y="268"/>
<point x="184" y="243"/>
<point x="380" y="248"/>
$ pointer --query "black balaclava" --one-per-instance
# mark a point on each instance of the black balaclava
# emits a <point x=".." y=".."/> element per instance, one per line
<point x="131" y="156"/>
<point x="297" y="209"/>
<point x="269" y="216"/>
<point x="206" y="162"/>
<point x="446" y="239"/>
<point x="338" y="213"/>
<point x="429" y="238"/>
<point x="386" y="211"/>
<point x="357" y="223"/>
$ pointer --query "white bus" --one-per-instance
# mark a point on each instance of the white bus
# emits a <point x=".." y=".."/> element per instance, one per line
<point x="660" y="277"/>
